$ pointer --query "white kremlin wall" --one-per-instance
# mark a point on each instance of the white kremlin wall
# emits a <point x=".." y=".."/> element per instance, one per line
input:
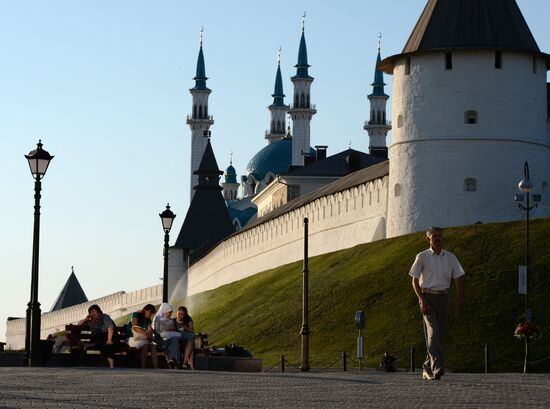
<point x="338" y="221"/>
<point x="116" y="305"/>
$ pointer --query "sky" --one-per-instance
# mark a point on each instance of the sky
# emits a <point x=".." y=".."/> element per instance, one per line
<point x="105" y="85"/>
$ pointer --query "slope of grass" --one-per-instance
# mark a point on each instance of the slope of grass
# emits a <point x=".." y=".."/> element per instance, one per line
<point x="264" y="312"/>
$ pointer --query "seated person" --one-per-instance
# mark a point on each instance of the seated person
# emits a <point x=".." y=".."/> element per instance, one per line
<point x="388" y="362"/>
<point x="164" y="325"/>
<point x="104" y="333"/>
<point x="184" y="325"/>
<point x="140" y="334"/>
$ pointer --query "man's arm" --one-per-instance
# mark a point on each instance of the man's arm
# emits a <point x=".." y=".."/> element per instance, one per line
<point x="424" y="306"/>
<point x="459" y="283"/>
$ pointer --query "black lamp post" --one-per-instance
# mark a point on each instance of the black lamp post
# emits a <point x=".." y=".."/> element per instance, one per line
<point x="305" y="307"/>
<point x="39" y="160"/>
<point x="167" y="217"/>
<point x="525" y="186"/>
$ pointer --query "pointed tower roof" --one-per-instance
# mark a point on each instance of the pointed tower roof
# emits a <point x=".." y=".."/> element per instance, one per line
<point x="207" y="221"/>
<point x="71" y="294"/>
<point x="278" y="94"/>
<point x="378" y="84"/>
<point x="302" y="65"/>
<point x="447" y="25"/>
<point x="200" y="76"/>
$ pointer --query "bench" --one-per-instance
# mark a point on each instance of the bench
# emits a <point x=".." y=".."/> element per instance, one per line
<point x="79" y="335"/>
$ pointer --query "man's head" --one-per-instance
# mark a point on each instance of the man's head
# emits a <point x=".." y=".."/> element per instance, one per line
<point x="434" y="236"/>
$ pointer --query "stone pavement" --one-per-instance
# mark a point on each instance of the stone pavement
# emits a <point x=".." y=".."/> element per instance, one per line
<point x="135" y="388"/>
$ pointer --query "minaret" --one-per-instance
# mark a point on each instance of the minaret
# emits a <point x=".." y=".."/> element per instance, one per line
<point x="302" y="110"/>
<point x="377" y="126"/>
<point x="277" y="109"/>
<point x="199" y="121"/>
<point x="230" y="186"/>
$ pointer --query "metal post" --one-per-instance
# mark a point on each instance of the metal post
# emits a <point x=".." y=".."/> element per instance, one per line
<point x="413" y="358"/>
<point x="282" y="363"/>
<point x="165" y="275"/>
<point x="305" y="320"/>
<point x="33" y="310"/>
<point x="360" y="350"/>
<point x="486" y="358"/>
<point x="345" y="361"/>
<point x="527" y="313"/>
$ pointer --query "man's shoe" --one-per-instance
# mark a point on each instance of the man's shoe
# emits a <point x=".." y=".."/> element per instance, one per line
<point x="426" y="376"/>
<point x="438" y="374"/>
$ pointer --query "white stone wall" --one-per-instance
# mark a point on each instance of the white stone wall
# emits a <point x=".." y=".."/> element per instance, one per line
<point x="434" y="151"/>
<point x="336" y="222"/>
<point x="115" y="305"/>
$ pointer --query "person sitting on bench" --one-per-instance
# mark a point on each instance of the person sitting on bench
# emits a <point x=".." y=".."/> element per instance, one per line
<point x="140" y="334"/>
<point x="184" y="325"/>
<point x="104" y="333"/>
<point x="169" y="342"/>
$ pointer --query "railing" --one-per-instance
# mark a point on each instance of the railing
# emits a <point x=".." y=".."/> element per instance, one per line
<point x="209" y="118"/>
<point x="386" y="123"/>
<point x="299" y="106"/>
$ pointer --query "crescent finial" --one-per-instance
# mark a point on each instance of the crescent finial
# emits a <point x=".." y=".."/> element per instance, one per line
<point x="303" y="21"/>
<point x="201" y="35"/>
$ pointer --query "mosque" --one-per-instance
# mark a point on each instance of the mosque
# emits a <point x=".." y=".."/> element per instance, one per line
<point x="470" y="105"/>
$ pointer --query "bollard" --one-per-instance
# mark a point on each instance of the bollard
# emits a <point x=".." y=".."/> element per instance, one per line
<point x="345" y="361"/>
<point x="413" y="358"/>
<point x="282" y="363"/>
<point x="486" y="358"/>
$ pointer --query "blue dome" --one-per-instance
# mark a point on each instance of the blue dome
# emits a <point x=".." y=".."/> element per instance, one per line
<point x="230" y="175"/>
<point x="275" y="158"/>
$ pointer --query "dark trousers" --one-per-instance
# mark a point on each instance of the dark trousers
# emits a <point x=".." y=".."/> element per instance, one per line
<point x="107" y="351"/>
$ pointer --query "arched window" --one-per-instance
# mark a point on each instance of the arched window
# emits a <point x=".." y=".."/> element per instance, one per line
<point x="470" y="117"/>
<point x="372" y="115"/>
<point x="384" y="117"/>
<point x="400" y="120"/>
<point x="296" y="101"/>
<point x="206" y="111"/>
<point x="470" y="185"/>
<point x="397" y="190"/>
<point x="200" y="111"/>
<point x="278" y="125"/>
<point x="378" y="118"/>
<point x="194" y="111"/>
<point x="302" y="101"/>
<point x="307" y="101"/>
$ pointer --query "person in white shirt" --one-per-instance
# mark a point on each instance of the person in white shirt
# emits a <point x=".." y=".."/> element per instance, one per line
<point x="432" y="272"/>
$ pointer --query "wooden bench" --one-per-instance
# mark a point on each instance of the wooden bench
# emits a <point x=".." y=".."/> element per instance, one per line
<point x="78" y="339"/>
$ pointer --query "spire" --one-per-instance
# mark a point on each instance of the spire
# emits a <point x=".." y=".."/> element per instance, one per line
<point x="302" y="66"/>
<point x="278" y="94"/>
<point x="71" y="294"/>
<point x="378" y="84"/>
<point x="200" y="77"/>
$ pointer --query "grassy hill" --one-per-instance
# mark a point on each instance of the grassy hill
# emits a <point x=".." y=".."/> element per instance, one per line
<point x="263" y="312"/>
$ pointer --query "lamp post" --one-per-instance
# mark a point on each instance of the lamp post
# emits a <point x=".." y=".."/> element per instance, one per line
<point x="305" y="316"/>
<point x="39" y="160"/>
<point x="167" y="217"/>
<point x="525" y="186"/>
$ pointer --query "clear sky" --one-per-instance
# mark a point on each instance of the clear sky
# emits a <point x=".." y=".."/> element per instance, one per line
<point x="105" y="84"/>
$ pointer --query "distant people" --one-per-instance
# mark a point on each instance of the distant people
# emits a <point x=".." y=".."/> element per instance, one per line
<point x="184" y="325"/>
<point x="140" y="334"/>
<point x="388" y="362"/>
<point x="104" y="333"/>
<point x="431" y="273"/>
<point x="169" y="343"/>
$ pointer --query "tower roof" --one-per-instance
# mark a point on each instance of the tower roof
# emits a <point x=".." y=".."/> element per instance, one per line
<point x="278" y="94"/>
<point x="302" y="65"/>
<point x="71" y="294"/>
<point x="230" y="174"/>
<point x="469" y="25"/>
<point x="378" y="84"/>
<point x="207" y="220"/>
<point x="200" y="76"/>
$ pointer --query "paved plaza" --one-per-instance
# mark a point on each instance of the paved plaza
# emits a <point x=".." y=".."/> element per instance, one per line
<point x="135" y="388"/>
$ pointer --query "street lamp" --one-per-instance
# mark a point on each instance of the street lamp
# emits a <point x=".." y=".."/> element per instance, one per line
<point x="39" y="160"/>
<point x="167" y="217"/>
<point x="525" y="186"/>
<point x="304" y="331"/>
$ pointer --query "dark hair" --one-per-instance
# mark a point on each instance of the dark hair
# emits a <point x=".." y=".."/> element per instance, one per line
<point x="149" y="307"/>
<point x="95" y="307"/>
<point x="184" y="309"/>
<point x="431" y="230"/>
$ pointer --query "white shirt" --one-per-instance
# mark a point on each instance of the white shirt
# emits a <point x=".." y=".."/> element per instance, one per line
<point x="435" y="272"/>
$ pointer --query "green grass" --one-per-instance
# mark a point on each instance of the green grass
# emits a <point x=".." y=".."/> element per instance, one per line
<point x="263" y="312"/>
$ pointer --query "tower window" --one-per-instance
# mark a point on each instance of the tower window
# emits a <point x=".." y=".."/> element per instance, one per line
<point x="408" y="66"/>
<point x="194" y="111"/>
<point x="449" y="61"/>
<point x="302" y="101"/>
<point x="200" y="111"/>
<point x="498" y="60"/>
<point x="400" y="121"/>
<point x="206" y="111"/>
<point x="378" y="118"/>
<point x="397" y="190"/>
<point x="470" y="117"/>
<point x="470" y="185"/>
<point x="307" y="101"/>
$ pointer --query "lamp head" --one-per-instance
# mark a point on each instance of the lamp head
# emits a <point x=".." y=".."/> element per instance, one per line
<point x="39" y="160"/>
<point x="167" y="217"/>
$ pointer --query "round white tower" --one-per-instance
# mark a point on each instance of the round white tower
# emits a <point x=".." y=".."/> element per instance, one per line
<point x="469" y="108"/>
<point x="199" y="121"/>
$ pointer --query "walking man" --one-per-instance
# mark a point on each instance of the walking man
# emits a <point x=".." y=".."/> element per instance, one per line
<point x="431" y="274"/>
